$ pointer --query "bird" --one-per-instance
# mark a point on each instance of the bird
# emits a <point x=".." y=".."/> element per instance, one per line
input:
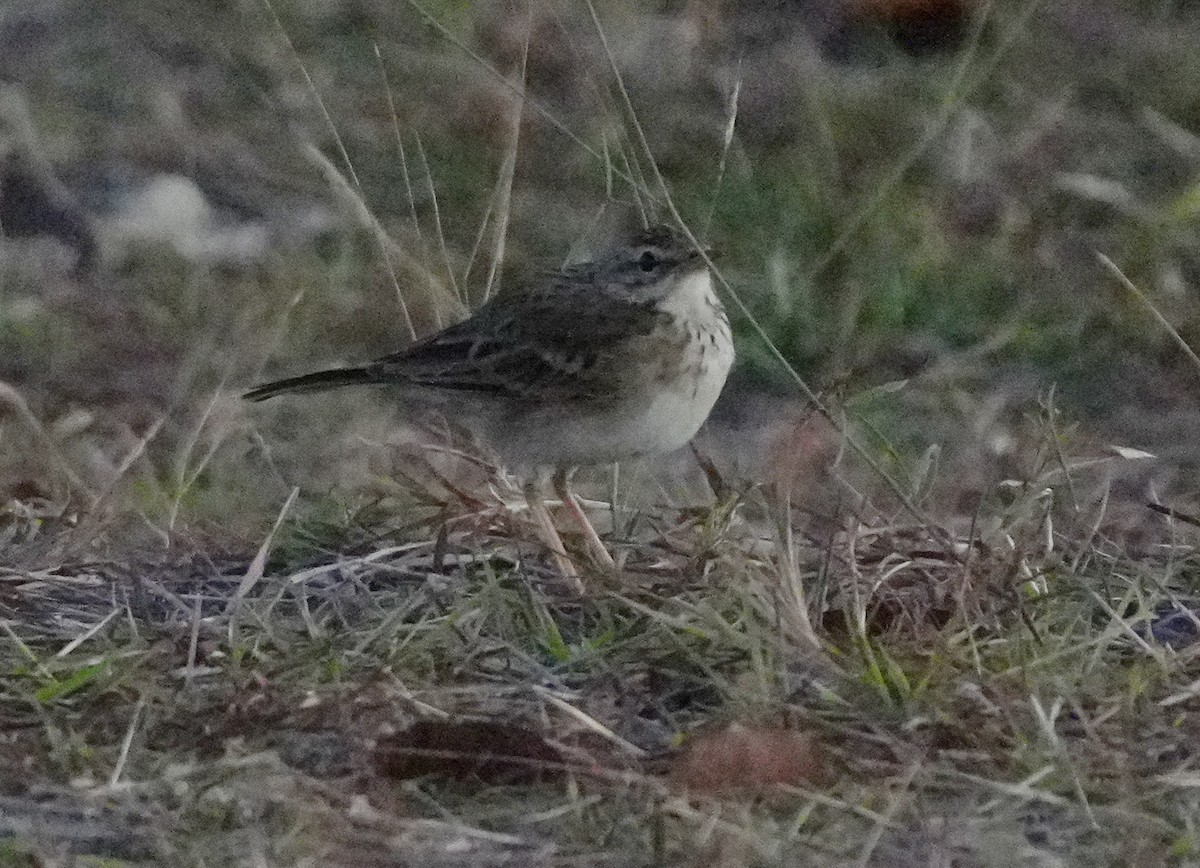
<point x="597" y="362"/>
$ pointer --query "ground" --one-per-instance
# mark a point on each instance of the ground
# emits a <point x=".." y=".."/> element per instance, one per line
<point x="921" y="593"/>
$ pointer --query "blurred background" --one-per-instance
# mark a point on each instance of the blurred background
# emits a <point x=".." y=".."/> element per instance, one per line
<point x="908" y="195"/>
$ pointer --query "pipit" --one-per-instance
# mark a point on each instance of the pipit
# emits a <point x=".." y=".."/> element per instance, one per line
<point x="601" y="361"/>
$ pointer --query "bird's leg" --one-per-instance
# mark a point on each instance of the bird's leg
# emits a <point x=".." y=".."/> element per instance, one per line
<point x="562" y="485"/>
<point x="535" y="497"/>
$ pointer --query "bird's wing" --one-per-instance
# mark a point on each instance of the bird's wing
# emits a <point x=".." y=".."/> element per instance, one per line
<point x="557" y="342"/>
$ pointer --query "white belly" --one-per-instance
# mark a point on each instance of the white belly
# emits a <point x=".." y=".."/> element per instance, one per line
<point x="662" y="418"/>
<point x="675" y="415"/>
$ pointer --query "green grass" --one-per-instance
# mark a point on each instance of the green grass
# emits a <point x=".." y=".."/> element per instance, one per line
<point x="937" y="691"/>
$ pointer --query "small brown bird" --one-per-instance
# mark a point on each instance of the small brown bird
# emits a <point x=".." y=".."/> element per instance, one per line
<point x="598" y="362"/>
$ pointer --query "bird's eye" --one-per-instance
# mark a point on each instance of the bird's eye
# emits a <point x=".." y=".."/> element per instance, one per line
<point x="648" y="261"/>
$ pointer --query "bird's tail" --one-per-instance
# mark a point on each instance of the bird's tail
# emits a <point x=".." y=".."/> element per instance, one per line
<point x="317" y="382"/>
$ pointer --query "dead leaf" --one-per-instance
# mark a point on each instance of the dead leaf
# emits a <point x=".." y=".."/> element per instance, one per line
<point x="740" y="759"/>
<point x="493" y="752"/>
